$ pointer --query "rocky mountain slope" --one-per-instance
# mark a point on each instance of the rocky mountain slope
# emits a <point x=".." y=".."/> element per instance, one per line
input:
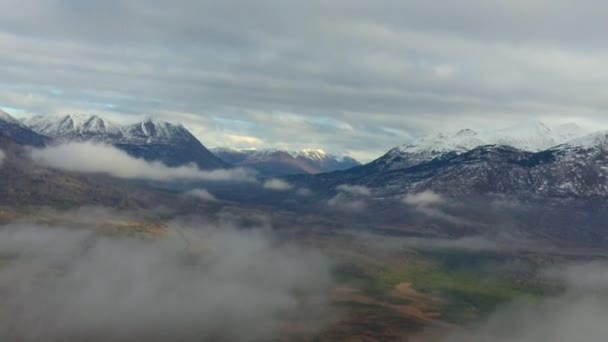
<point x="14" y="130"/>
<point x="283" y="162"/>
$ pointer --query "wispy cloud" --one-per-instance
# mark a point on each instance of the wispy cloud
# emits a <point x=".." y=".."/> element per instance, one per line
<point x="430" y="204"/>
<point x="93" y="158"/>
<point x="425" y="198"/>
<point x="277" y="185"/>
<point x="350" y="198"/>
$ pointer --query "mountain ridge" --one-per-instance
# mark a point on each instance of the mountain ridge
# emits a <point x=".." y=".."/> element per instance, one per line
<point x="152" y="140"/>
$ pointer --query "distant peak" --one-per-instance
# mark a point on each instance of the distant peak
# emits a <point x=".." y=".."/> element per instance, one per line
<point x="160" y="123"/>
<point x="466" y="132"/>
<point x="4" y="116"/>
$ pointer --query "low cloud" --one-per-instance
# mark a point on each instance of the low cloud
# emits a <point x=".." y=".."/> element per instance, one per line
<point x="277" y="185"/>
<point x="93" y="158"/>
<point x="202" y="194"/>
<point x="352" y="198"/>
<point x="304" y="192"/>
<point x="592" y="276"/>
<point x="356" y="190"/>
<point x="579" y="314"/>
<point x="425" y="198"/>
<point x="217" y="283"/>
<point x="429" y="203"/>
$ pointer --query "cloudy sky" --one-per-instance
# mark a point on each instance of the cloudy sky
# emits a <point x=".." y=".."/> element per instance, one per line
<point x="348" y="76"/>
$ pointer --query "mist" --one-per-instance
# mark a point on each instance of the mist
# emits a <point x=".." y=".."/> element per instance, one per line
<point x="197" y="283"/>
<point x="94" y="158"/>
<point x="578" y="314"/>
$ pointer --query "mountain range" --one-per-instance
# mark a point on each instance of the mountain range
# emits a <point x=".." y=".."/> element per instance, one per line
<point x="151" y="140"/>
<point x="531" y="136"/>
<point x="275" y="162"/>
<point x="172" y="144"/>
<point x="532" y="160"/>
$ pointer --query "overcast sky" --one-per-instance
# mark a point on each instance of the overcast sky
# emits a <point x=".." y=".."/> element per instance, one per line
<point x="347" y="76"/>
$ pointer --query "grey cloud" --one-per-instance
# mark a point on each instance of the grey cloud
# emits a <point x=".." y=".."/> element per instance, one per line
<point x="590" y="276"/>
<point x="93" y="158"/>
<point x="341" y="74"/>
<point x="2" y="157"/>
<point x="63" y="284"/>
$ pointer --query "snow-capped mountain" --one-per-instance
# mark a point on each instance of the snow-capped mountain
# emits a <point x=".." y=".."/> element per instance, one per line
<point x="75" y="127"/>
<point x="578" y="168"/>
<point x="283" y="162"/>
<point x="527" y="136"/>
<point x="14" y="130"/>
<point x="152" y="140"/>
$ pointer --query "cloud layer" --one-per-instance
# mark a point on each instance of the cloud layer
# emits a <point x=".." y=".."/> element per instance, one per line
<point x="356" y="77"/>
<point x="93" y="158"/>
<point x="63" y="284"/>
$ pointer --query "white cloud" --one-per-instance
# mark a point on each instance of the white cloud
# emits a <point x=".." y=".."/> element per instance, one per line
<point x="277" y="185"/>
<point x="93" y="158"/>
<point x="425" y="198"/>
<point x="202" y="194"/>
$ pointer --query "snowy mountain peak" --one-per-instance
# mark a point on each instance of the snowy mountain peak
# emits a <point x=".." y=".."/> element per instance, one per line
<point x="72" y="125"/>
<point x="594" y="140"/>
<point x="284" y="162"/>
<point x="532" y="136"/>
<point x="467" y="132"/>
<point x="156" y="131"/>
<point x="461" y="141"/>
<point x="151" y="140"/>
<point x="316" y="154"/>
